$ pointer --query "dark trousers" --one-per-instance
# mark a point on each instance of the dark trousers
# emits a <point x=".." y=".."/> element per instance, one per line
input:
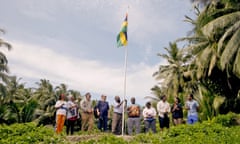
<point x="70" y="126"/>
<point x="102" y="123"/>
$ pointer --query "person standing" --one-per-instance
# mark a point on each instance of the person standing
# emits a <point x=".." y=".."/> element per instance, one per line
<point x="102" y="111"/>
<point x="163" y="108"/>
<point x="177" y="111"/>
<point x="87" y="113"/>
<point x="192" y="106"/>
<point x="117" y="116"/>
<point x="149" y="114"/>
<point x="72" y="114"/>
<point x="133" y="120"/>
<point x="61" y="106"/>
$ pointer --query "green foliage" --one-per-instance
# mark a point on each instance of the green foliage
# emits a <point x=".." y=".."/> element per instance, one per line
<point x="227" y="120"/>
<point x="216" y="130"/>
<point x="28" y="133"/>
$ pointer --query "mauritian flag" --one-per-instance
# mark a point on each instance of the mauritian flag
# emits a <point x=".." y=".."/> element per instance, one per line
<point x="122" y="36"/>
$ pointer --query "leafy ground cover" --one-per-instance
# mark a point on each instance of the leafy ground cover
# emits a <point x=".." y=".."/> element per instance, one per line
<point x="220" y="130"/>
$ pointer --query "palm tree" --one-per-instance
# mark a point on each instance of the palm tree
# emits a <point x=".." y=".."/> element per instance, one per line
<point x="46" y="97"/>
<point x="170" y="76"/>
<point x="3" y="59"/>
<point x="215" y="48"/>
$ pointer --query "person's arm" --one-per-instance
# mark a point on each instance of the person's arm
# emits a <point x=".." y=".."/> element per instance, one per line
<point x="58" y="104"/>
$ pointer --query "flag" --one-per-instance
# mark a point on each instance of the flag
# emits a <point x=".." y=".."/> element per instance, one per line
<point x="122" y="36"/>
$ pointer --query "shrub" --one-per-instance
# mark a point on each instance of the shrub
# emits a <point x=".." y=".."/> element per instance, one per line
<point x="28" y="133"/>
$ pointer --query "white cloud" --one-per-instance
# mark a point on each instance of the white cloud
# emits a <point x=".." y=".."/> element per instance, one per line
<point x="35" y="62"/>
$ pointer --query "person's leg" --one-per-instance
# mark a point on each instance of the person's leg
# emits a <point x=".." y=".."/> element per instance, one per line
<point x="138" y="125"/>
<point x="194" y="119"/>
<point x="90" y="122"/>
<point x="61" y="123"/>
<point x="161" y="123"/>
<point x="153" y="126"/>
<point x="84" y="121"/>
<point x="105" y="123"/>
<point x="147" y="125"/>
<point x="130" y="125"/>
<point x="114" y="123"/>
<point x="175" y="121"/>
<point x="72" y="122"/>
<point x="119" y="125"/>
<point x="179" y="121"/>
<point x="68" y="126"/>
<point x="167" y="121"/>
<point x="57" y="123"/>
<point x="190" y="120"/>
<point x="100" y="121"/>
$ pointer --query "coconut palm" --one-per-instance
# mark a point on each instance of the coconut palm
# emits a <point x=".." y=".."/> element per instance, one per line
<point x="3" y="59"/>
<point x="46" y="97"/>
<point x="215" y="48"/>
<point x="170" y="76"/>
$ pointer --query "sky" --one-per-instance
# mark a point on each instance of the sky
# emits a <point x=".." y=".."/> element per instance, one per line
<point x="74" y="42"/>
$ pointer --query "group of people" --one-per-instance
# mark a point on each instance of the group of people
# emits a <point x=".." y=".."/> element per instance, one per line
<point x="164" y="109"/>
<point x="69" y="110"/>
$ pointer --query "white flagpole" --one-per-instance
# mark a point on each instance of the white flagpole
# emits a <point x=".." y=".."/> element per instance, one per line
<point x="125" y="86"/>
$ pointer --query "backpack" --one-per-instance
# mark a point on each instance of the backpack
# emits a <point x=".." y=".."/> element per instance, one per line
<point x="95" y="112"/>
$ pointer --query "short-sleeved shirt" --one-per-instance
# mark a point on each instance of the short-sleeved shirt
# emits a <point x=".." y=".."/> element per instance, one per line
<point x="62" y="107"/>
<point x="177" y="113"/>
<point x="192" y="105"/>
<point x="118" y="109"/>
<point x="133" y="111"/>
<point x="72" y="112"/>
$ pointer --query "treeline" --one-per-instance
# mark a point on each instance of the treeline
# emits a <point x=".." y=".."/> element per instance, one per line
<point x="208" y="65"/>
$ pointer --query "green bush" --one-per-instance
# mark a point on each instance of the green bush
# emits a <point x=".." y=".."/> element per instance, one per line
<point x="28" y="133"/>
<point x="207" y="132"/>
<point x="227" y="120"/>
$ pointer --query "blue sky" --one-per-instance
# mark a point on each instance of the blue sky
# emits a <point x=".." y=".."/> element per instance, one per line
<point x="74" y="42"/>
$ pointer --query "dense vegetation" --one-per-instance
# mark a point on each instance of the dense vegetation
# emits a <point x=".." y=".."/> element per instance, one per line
<point x="208" y="65"/>
<point x="221" y="130"/>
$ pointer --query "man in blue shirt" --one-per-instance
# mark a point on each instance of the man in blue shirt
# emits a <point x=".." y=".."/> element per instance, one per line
<point x="102" y="110"/>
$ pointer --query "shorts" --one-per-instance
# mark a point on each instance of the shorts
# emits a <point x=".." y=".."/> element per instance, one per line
<point x="164" y="122"/>
<point x="192" y="119"/>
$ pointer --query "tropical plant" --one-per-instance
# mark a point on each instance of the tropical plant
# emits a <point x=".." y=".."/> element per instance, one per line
<point x="3" y="59"/>
<point x="46" y="97"/>
<point x="170" y="76"/>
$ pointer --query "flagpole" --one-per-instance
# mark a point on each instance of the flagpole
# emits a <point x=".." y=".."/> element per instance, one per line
<point x="124" y="89"/>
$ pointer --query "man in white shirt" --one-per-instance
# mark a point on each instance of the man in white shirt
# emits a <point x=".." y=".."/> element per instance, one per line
<point x="192" y="106"/>
<point x="163" y="108"/>
<point x="117" y="116"/>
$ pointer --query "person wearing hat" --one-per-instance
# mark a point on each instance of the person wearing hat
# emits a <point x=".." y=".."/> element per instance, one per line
<point x="61" y="106"/>
<point x="102" y="111"/>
